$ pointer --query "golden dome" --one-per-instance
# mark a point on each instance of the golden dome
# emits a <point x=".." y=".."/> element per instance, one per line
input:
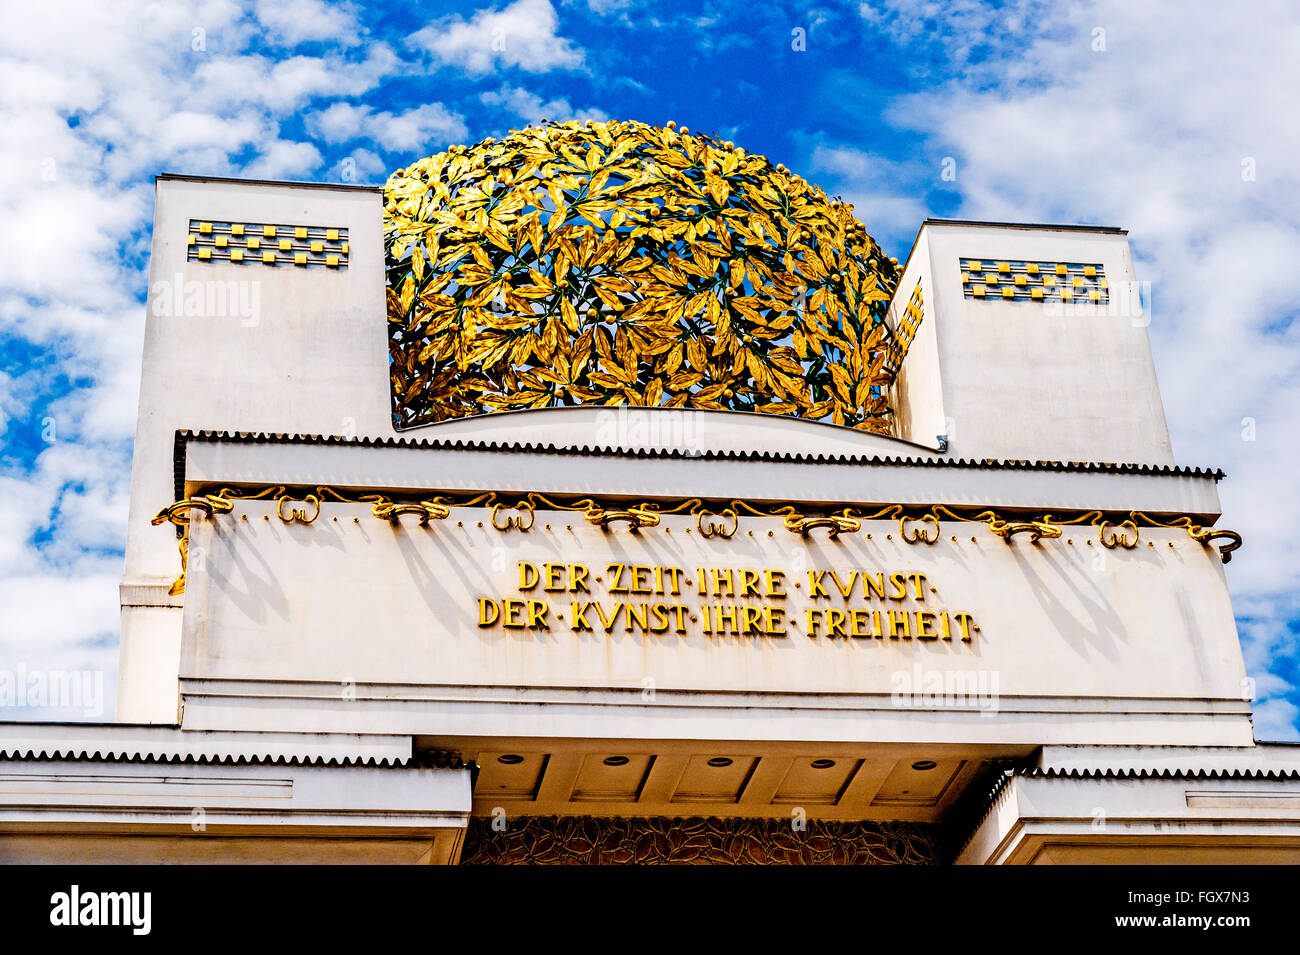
<point x="620" y="263"/>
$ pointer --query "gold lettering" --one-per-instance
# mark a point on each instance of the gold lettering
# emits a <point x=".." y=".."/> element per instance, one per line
<point x="775" y="621"/>
<point x="579" y="612"/>
<point x="608" y="622"/>
<point x="718" y="577"/>
<point x="844" y="590"/>
<point x="675" y="577"/>
<point x="873" y="584"/>
<point x="859" y="622"/>
<point x="775" y="581"/>
<point x="616" y="586"/>
<point x="641" y="580"/>
<point x="925" y="625"/>
<point x="635" y="613"/>
<point x="900" y="619"/>
<point x="578" y="574"/>
<point x="835" y="623"/>
<point x="537" y="611"/>
<point x="738" y="619"/>
<point x="512" y="612"/>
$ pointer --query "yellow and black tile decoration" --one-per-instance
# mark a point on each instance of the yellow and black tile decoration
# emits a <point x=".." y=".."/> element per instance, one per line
<point x="907" y="326"/>
<point x="1076" y="282"/>
<point x="261" y="243"/>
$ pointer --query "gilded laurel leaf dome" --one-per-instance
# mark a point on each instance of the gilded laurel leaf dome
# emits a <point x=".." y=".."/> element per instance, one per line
<point x="621" y="263"/>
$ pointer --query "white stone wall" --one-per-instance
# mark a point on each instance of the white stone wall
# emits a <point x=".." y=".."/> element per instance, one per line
<point x="1028" y="380"/>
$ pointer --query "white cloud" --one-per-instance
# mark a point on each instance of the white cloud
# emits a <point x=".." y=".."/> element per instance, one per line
<point x="281" y="86"/>
<point x="284" y="160"/>
<point x="531" y="108"/>
<point x="416" y="129"/>
<point x="423" y="127"/>
<point x="871" y="184"/>
<point x="522" y="34"/>
<point x="339" y="122"/>
<point x="291" y="22"/>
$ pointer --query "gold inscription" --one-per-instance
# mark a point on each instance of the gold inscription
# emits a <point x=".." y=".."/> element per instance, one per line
<point x="721" y="602"/>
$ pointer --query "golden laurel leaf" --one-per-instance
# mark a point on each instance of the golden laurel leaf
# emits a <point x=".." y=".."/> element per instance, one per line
<point x="635" y="265"/>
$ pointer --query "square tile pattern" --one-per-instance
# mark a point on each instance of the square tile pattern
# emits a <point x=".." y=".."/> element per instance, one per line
<point x="262" y="243"/>
<point x="907" y="326"/>
<point x="1009" y="281"/>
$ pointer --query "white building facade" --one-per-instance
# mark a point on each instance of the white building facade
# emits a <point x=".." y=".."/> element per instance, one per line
<point x="1000" y="635"/>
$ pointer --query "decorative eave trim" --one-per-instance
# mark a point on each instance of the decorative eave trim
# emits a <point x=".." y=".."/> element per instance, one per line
<point x="252" y="757"/>
<point x="184" y="437"/>
<point x="1145" y="773"/>
<point x="172" y="758"/>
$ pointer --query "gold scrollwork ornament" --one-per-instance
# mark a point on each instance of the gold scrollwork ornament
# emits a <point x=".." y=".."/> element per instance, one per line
<point x="919" y="530"/>
<point x="523" y="520"/>
<point x="1208" y="535"/>
<point x="295" y="512"/>
<point x="1036" y="530"/>
<point x="635" y="517"/>
<point x="179" y="513"/>
<point x="715" y="525"/>
<point x="1124" y="534"/>
<point x="1200" y="534"/>
<point x="836" y="524"/>
<point x="426" y="510"/>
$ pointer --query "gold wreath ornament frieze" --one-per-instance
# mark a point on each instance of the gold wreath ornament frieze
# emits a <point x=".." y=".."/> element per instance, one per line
<point x="618" y="263"/>
<point x="718" y="521"/>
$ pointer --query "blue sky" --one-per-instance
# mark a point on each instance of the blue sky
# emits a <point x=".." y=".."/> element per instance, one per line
<point x="1167" y="119"/>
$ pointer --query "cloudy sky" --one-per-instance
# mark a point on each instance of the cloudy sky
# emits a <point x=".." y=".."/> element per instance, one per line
<point x="1175" y="121"/>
